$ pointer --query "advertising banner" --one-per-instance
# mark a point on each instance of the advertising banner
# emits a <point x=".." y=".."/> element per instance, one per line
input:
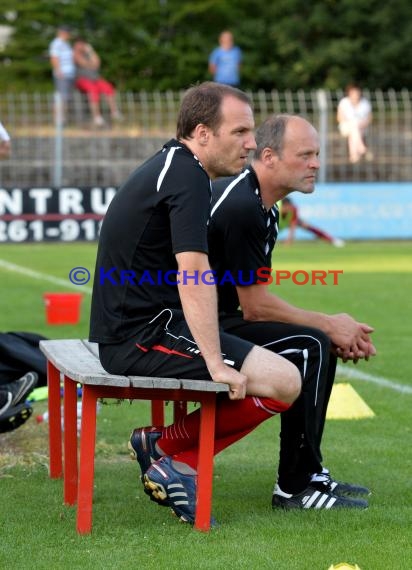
<point x="360" y="211"/>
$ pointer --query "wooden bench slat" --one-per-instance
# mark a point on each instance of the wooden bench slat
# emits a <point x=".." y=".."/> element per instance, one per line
<point x="71" y="357"/>
<point x="79" y="359"/>
<point x="92" y="347"/>
<point x="203" y="385"/>
<point x="149" y="382"/>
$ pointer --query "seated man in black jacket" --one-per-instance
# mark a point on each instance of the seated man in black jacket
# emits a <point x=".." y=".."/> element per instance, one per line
<point x="242" y="234"/>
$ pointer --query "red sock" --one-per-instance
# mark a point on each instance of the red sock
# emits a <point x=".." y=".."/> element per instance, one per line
<point x="320" y="233"/>
<point x="234" y="420"/>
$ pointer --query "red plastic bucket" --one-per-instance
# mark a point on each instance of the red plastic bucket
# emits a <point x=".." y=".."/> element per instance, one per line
<point x="62" y="308"/>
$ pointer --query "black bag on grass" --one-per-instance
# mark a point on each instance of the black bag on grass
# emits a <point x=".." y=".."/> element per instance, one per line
<point x="20" y="353"/>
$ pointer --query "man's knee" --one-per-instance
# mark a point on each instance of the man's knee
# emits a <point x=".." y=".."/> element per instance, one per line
<point x="291" y="385"/>
<point x="286" y="380"/>
<point x="271" y="376"/>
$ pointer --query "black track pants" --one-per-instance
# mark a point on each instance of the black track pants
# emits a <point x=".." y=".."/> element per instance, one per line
<point x="303" y="424"/>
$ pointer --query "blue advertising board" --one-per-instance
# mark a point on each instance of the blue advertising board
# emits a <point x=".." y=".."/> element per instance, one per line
<point x="361" y="211"/>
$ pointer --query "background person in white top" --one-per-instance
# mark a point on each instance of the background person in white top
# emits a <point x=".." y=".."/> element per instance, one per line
<point x="353" y="116"/>
<point x="64" y="69"/>
<point x="5" y="144"/>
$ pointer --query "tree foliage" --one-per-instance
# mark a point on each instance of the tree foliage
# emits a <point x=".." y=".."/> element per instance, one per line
<point x="164" y="44"/>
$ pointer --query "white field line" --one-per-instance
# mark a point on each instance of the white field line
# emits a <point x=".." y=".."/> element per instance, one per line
<point x="43" y="276"/>
<point x="352" y="373"/>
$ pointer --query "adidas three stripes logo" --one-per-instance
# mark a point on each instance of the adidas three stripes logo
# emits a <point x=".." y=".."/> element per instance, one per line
<point x="318" y="500"/>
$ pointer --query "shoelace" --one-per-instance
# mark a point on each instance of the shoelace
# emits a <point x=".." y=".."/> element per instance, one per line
<point x="324" y="478"/>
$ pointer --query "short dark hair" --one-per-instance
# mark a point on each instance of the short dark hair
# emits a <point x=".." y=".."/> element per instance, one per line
<point x="351" y="86"/>
<point x="271" y="134"/>
<point x="202" y="104"/>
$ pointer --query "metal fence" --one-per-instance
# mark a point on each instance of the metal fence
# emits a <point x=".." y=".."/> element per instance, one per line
<point x="79" y="155"/>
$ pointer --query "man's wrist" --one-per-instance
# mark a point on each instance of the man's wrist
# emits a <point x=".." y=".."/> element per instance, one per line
<point x="215" y="365"/>
<point x="326" y="324"/>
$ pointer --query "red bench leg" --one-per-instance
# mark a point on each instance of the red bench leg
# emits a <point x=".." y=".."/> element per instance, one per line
<point x="55" y="423"/>
<point x="86" y="470"/>
<point x="158" y="414"/>
<point x="70" y="441"/>
<point x="205" y="462"/>
<point x="179" y="410"/>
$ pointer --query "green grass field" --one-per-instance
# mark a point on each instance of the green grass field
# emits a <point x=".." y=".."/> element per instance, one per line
<point x="129" y="531"/>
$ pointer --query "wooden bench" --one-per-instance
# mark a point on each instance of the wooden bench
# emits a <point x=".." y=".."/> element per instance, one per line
<point x="76" y="362"/>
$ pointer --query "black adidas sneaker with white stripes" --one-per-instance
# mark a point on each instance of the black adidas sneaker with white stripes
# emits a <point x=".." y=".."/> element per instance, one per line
<point x="312" y="498"/>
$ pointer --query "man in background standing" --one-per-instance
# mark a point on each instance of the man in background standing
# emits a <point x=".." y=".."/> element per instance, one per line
<point x="64" y="70"/>
<point x="225" y="60"/>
